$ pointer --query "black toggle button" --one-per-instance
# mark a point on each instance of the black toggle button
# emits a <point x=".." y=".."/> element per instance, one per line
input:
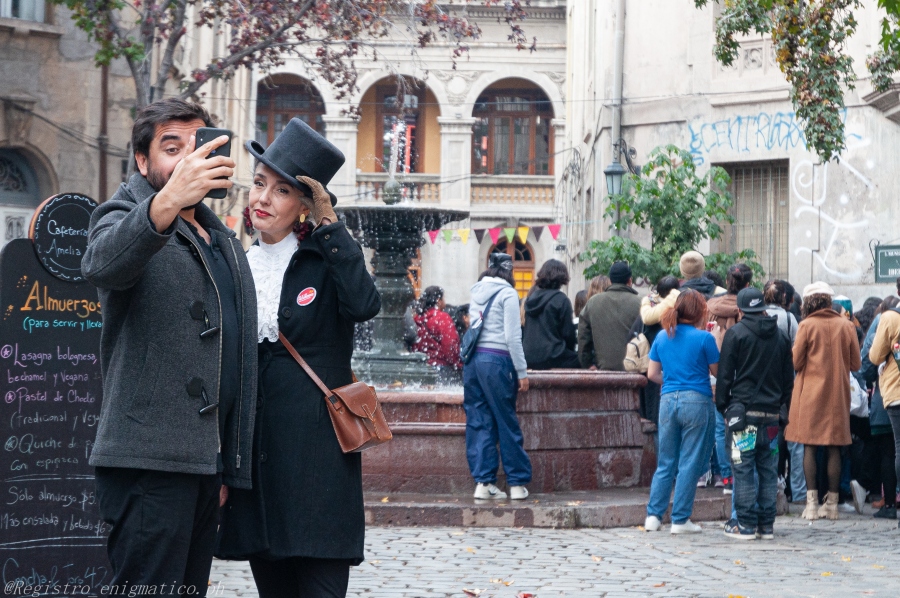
<point x="198" y="312"/>
<point x="196" y="389"/>
<point x="262" y="457"/>
<point x="286" y="312"/>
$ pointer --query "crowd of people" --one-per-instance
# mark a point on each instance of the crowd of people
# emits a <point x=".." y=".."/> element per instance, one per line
<point x="754" y="388"/>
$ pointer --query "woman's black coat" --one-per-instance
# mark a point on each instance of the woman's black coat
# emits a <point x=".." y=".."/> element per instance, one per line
<point x="307" y="497"/>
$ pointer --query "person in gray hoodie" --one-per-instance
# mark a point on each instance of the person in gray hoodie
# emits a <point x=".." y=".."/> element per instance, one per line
<point x="492" y="380"/>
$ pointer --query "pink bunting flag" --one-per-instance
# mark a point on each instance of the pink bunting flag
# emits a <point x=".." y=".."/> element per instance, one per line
<point x="433" y="234"/>
<point x="448" y="235"/>
<point x="554" y="230"/>
<point x="479" y="235"/>
<point x="538" y="231"/>
<point x="495" y="234"/>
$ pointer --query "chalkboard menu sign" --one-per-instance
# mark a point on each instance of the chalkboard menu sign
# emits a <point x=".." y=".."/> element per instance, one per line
<point x="52" y="539"/>
<point x="59" y="232"/>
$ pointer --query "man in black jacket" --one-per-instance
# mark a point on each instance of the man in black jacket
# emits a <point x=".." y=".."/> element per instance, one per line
<point x="754" y="384"/>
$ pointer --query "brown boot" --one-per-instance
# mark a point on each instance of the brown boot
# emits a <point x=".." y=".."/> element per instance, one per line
<point x="829" y="509"/>
<point x="812" y="505"/>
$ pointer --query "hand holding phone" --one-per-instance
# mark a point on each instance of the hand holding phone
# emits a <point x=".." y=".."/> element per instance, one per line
<point x="206" y="135"/>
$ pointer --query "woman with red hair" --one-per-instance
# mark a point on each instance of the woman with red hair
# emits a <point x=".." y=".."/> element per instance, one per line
<point x="681" y="360"/>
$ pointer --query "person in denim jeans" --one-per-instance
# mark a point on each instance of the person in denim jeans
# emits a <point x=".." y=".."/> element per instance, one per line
<point x="681" y="361"/>
<point x="756" y="377"/>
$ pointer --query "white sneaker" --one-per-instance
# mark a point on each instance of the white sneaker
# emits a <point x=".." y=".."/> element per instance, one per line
<point x="846" y="507"/>
<point x="686" y="528"/>
<point x="859" y="495"/>
<point x="488" y="492"/>
<point x="652" y="523"/>
<point x="518" y="493"/>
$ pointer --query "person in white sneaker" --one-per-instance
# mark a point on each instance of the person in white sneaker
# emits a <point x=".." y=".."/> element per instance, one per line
<point x="681" y="360"/>
<point x="492" y="380"/>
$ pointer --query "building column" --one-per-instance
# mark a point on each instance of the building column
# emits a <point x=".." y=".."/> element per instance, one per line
<point x="456" y="161"/>
<point x="342" y="132"/>
<point x="561" y="158"/>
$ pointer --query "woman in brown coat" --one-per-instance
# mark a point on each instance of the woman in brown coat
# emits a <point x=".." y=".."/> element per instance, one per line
<point x="825" y="352"/>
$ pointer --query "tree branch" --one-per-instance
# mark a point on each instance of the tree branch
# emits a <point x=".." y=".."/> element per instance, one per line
<point x="175" y="35"/>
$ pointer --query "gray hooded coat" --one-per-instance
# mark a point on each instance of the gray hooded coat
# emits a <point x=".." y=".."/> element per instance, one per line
<point x="150" y="347"/>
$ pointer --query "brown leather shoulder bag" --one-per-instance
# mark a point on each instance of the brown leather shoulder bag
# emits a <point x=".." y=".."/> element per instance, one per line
<point x="354" y="409"/>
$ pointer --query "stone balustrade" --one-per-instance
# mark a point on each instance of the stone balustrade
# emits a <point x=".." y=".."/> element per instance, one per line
<point x="416" y="188"/>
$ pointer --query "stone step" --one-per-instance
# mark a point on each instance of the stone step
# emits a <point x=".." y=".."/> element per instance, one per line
<point x="614" y="507"/>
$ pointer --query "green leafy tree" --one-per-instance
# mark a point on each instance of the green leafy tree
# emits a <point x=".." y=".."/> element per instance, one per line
<point x="810" y="39"/>
<point x="680" y="207"/>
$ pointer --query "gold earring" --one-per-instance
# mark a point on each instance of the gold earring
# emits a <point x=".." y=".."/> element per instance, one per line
<point x="302" y="218"/>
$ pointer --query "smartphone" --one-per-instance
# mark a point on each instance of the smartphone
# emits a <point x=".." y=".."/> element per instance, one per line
<point x="207" y="134"/>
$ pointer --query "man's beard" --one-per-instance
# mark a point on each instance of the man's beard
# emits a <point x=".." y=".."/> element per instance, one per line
<point x="158" y="180"/>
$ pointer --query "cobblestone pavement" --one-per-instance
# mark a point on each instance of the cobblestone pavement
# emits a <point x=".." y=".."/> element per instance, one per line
<point x="854" y="556"/>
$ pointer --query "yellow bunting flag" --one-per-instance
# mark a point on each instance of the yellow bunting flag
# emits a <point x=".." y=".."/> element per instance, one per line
<point x="463" y="235"/>
<point x="522" y="232"/>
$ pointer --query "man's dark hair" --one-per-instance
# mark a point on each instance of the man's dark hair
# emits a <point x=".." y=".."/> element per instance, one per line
<point x="552" y="275"/>
<point x="161" y="112"/>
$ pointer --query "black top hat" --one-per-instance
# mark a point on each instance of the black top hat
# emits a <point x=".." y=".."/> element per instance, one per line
<point x="300" y="151"/>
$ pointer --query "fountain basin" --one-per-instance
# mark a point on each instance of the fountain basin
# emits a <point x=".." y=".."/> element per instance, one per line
<point x="581" y="430"/>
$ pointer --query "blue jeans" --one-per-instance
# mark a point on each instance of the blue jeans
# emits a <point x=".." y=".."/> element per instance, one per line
<point x="723" y="453"/>
<point x="490" y="387"/>
<point x="798" y="477"/>
<point x="756" y="479"/>
<point x="686" y="433"/>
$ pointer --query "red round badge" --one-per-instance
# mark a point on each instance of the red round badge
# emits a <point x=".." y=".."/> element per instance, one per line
<point x="306" y="296"/>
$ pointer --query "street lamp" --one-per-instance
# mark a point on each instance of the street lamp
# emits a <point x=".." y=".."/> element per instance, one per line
<point x="615" y="171"/>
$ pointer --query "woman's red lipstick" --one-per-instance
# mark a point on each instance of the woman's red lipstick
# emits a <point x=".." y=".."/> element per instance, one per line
<point x="262" y="213"/>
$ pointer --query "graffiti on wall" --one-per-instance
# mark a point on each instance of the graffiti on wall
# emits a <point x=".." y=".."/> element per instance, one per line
<point x="746" y="133"/>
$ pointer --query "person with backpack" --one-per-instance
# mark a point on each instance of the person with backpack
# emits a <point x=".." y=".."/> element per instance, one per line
<point x="753" y="385"/>
<point x="493" y="375"/>
<point x="549" y="337"/>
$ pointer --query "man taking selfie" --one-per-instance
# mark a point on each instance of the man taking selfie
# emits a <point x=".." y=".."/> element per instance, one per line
<point x="178" y="355"/>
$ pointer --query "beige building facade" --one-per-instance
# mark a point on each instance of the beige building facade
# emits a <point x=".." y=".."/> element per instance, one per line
<point x="54" y="133"/>
<point x="807" y="220"/>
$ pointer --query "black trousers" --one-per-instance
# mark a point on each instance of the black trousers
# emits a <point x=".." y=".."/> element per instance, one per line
<point x="301" y="577"/>
<point x="163" y="528"/>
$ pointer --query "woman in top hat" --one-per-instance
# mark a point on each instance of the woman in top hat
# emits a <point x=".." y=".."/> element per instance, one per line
<point x="302" y="525"/>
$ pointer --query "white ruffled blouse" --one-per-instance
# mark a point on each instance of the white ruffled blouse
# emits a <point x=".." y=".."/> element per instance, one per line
<point x="268" y="264"/>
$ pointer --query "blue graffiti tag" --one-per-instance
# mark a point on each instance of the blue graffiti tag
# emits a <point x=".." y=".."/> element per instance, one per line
<point x="768" y="131"/>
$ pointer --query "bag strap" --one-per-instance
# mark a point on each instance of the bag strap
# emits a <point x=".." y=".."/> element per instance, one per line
<point x="309" y="371"/>
<point x="487" y="307"/>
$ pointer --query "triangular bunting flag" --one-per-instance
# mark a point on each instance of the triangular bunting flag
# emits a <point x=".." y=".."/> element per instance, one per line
<point x="495" y="234"/>
<point x="522" y="232"/>
<point x="554" y="230"/>
<point x="433" y="234"/>
<point x="231" y="221"/>
<point x="538" y="231"/>
<point x="510" y="233"/>
<point x="479" y="235"/>
<point x="464" y="235"/>
<point x="448" y="234"/>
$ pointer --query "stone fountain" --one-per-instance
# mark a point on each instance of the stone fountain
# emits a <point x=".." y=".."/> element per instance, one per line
<point x="394" y="229"/>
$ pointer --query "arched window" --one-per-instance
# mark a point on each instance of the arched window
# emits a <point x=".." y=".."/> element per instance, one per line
<point x="512" y="132"/>
<point x="523" y="263"/>
<point x="19" y="195"/>
<point x="280" y="99"/>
